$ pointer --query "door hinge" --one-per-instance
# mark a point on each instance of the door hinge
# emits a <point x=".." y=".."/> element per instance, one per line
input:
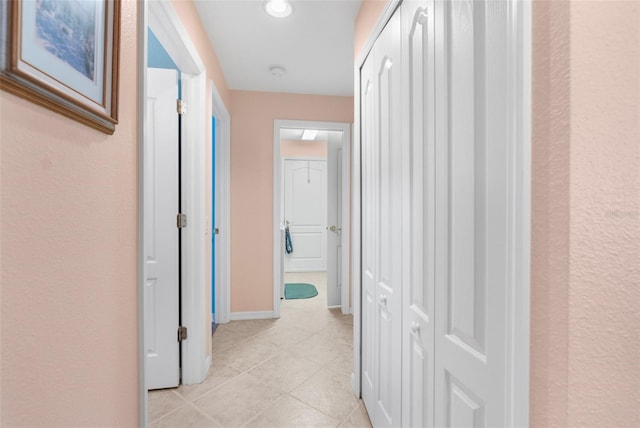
<point x="182" y="107"/>
<point x="182" y="221"/>
<point x="182" y="333"/>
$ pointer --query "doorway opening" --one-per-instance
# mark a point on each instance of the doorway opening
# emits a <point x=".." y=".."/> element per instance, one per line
<point x="161" y="18"/>
<point x="311" y="200"/>
<point x="162" y="203"/>
<point x="215" y="231"/>
<point x="219" y="224"/>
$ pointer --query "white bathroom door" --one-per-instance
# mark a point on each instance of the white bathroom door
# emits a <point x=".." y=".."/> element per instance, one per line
<point x="475" y="202"/>
<point x="305" y="210"/>
<point x="382" y="201"/>
<point x="419" y="209"/>
<point x="161" y="289"/>
<point x="334" y="219"/>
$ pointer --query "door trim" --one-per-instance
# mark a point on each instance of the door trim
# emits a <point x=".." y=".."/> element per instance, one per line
<point x="521" y="52"/>
<point x="222" y="215"/>
<point x="278" y="245"/>
<point x="519" y="328"/>
<point x="162" y="18"/>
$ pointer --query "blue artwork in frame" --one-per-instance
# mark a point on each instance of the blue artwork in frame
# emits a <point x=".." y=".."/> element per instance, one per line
<point x="64" y="55"/>
<point x="67" y="30"/>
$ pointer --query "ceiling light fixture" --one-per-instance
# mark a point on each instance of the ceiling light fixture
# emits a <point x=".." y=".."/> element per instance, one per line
<point x="278" y="8"/>
<point x="309" y="134"/>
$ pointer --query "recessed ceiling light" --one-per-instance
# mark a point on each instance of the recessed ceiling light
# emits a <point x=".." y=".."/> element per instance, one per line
<point x="309" y="134"/>
<point x="277" y="71"/>
<point x="278" y="8"/>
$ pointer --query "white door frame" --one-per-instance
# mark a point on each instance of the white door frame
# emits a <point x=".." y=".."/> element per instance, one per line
<point x="222" y="215"/>
<point x="278" y="245"/>
<point x="163" y="20"/>
<point x="520" y="50"/>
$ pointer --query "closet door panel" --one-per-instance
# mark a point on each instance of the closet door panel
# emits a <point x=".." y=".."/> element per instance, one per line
<point x="388" y="192"/>
<point x="369" y="241"/>
<point x="471" y="264"/>
<point x="418" y="190"/>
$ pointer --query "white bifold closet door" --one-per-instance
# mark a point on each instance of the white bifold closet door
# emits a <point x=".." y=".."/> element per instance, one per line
<point x="382" y="226"/>
<point x="475" y="206"/>
<point x="419" y="212"/>
<point x="438" y="214"/>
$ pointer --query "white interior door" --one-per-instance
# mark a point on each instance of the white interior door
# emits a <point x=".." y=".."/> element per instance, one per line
<point x="474" y="223"/>
<point x="419" y="210"/>
<point x="334" y="219"/>
<point x="161" y="237"/>
<point x="305" y="211"/>
<point x="383" y="274"/>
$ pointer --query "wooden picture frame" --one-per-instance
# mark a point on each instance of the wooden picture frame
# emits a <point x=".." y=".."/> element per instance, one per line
<point x="63" y="55"/>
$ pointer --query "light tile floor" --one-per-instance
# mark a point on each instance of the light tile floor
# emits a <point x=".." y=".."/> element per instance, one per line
<point x="294" y="371"/>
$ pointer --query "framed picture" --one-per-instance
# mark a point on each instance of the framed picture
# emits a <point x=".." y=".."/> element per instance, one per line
<point x="63" y="55"/>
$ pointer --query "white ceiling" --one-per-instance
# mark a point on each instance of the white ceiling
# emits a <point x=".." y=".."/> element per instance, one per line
<point x="314" y="45"/>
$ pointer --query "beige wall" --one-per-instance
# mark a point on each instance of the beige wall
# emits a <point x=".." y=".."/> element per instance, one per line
<point x="585" y="369"/>
<point x="300" y="148"/>
<point x="69" y="274"/>
<point x="69" y="251"/>
<point x="550" y="218"/>
<point x="366" y="19"/>
<point x="253" y="114"/>
<point x="585" y="253"/>
<point x="604" y="196"/>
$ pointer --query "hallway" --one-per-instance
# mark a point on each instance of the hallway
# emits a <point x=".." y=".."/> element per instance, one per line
<point x="291" y="371"/>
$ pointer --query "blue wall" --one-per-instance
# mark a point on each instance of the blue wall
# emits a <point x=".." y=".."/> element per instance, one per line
<point x="158" y="57"/>
<point x="213" y="214"/>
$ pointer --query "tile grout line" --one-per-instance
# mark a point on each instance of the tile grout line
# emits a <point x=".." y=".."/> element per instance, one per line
<point x="332" y="326"/>
<point x="170" y="411"/>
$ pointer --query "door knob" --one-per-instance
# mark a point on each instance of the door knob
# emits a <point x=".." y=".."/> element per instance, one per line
<point x="383" y="300"/>
<point x="415" y="327"/>
<point x="334" y="228"/>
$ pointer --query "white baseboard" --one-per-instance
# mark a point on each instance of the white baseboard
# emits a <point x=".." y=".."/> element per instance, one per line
<point x="334" y="307"/>
<point x="207" y="362"/>
<point x="257" y="315"/>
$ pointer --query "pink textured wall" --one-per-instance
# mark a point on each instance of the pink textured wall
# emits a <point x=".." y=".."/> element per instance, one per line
<point x="551" y="143"/>
<point x="585" y="369"/>
<point x="253" y="114"/>
<point x="366" y="19"/>
<point x="604" y="285"/>
<point x="189" y="17"/>
<point x="69" y="275"/>
<point x="299" y="148"/>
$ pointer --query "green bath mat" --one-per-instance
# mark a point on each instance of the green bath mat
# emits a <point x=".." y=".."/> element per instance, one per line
<point x="299" y="290"/>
